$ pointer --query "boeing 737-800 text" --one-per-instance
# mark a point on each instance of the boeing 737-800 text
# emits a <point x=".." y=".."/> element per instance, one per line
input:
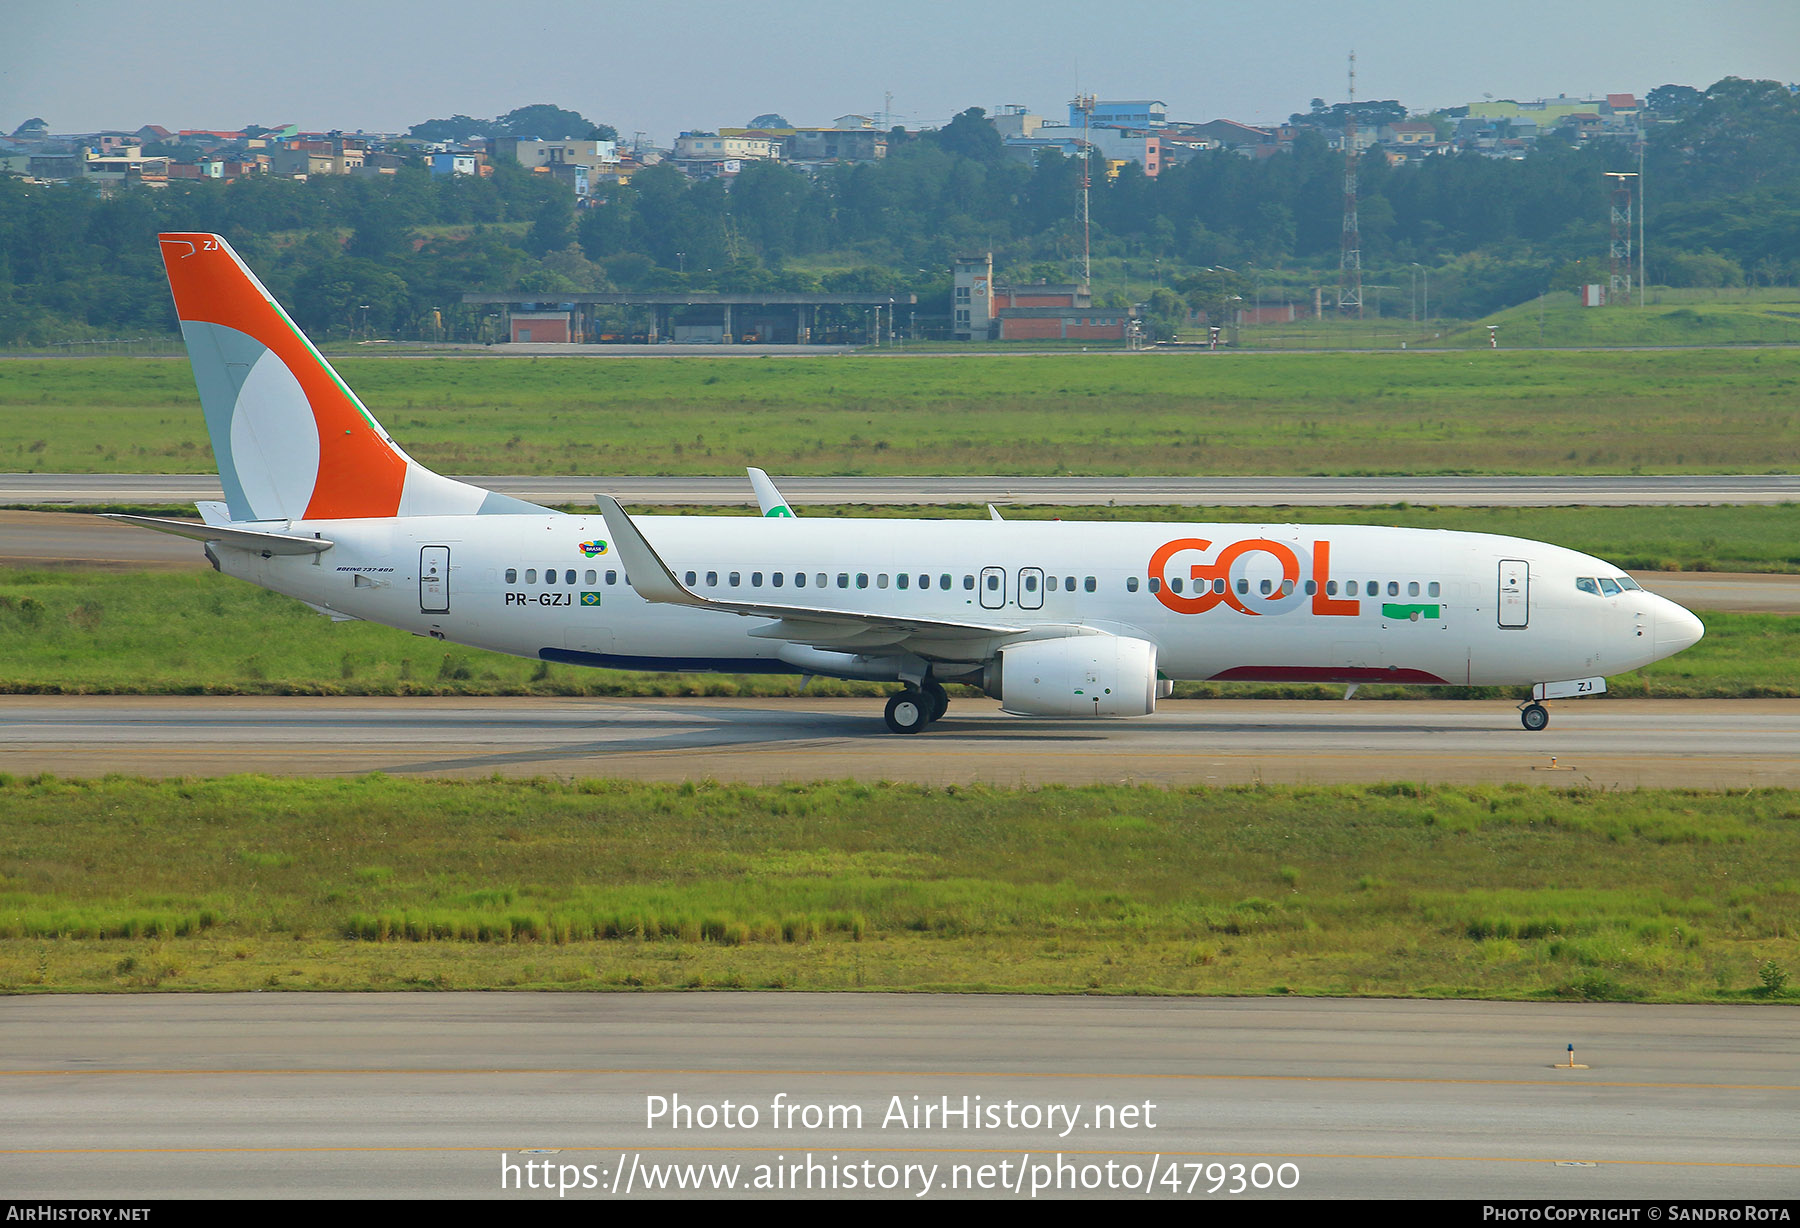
<point x="1053" y="619"/>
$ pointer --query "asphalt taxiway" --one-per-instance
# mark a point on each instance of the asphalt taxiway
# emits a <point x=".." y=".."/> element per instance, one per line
<point x="421" y="1096"/>
<point x="1611" y="743"/>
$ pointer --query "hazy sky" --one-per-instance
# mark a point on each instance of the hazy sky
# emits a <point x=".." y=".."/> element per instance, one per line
<point x="661" y="66"/>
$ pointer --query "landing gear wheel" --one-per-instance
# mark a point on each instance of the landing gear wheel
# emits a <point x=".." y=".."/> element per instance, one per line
<point x="940" y="701"/>
<point x="1534" y="716"/>
<point x="908" y="712"/>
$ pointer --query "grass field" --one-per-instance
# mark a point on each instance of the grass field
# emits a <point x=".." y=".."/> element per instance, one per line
<point x="1668" y="317"/>
<point x="381" y="883"/>
<point x="1418" y="413"/>
<point x="180" y="633"/>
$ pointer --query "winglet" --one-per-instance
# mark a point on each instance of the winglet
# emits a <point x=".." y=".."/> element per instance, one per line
<point x="767" y="497"/>
<point x="994" y="513"/>
<point x="650" y="576"/>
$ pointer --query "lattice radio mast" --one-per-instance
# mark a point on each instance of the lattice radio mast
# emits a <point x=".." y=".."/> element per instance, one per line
<point x="1085" y="104"/>
<point x="1350" y="261"/>
<point x="1618" y="288"/>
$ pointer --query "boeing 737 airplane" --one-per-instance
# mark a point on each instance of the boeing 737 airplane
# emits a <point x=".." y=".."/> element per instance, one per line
<point x="1053" y="619"/>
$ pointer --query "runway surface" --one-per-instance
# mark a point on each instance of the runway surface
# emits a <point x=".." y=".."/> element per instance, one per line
<point x="66" y="539"/>
<point x="1690" y="489"/>
<point x="1600" y="743"/>
<point x="418" y="1096"/>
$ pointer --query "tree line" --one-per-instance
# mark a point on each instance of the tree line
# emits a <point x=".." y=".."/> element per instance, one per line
<point x="392" y="254"/>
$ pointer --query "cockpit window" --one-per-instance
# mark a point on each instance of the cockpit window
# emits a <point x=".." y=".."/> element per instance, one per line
<point x="1627" y="582"/>
<point x="1586" y="584"/>
<point x="1609" y="588"/>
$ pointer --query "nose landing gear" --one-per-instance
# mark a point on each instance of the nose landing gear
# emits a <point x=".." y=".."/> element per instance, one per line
<point x="1534" y="716"/>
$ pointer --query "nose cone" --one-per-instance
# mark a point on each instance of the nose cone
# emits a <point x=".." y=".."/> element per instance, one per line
<point x="1676" y="628"/>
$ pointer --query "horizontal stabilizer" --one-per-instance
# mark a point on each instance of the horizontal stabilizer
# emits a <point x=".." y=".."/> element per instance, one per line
<point x="258" y="540"/>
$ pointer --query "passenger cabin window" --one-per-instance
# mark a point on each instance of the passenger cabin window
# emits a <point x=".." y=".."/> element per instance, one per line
<point x="512" y="575"/>
<point x="612" y="577"/>
<point x="1155" y="584"/>
<point x="968" y="584"/>
<point x="1131" y="584"/>
<point x="843" y="579"/>
<point x="944" y="582"/>
<point x="775" y="578"/>
<point x="712" y="578"/>
<point x="902" y="580"/>
<point x="588" y="577"/>
<point x="1175" y="585"/>
<point x="1090" y="584"/>
<point x="1393" y="588"/>
<point x="881" y="579"/>
<point x="689" y="579"/>
<point x="734" y="579"/>
<point x="531" y="575"/>
<point x="819" y="580"/>
<point x="1412" y="589"/>
<point x="1432" y="588"/>
<point x="1349" y="588"/>
<point x="569" y="577"/>
<point x="862" y="579"/>
<point x="1050" y="584"/>
<point x="756" y="579"/>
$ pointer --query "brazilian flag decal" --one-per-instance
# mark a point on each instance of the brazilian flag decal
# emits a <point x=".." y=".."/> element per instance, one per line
<point x="1414" y="612"/>
<point x="590" y="599"/>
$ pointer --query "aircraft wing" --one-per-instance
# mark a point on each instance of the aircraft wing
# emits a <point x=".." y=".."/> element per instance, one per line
<point x="843" y="630"/>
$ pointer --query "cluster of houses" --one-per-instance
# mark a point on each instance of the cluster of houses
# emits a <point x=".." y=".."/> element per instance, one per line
<point x="153" y="156"/>
<point x="1120" y="131"/>
<point x="1140" y="131"/>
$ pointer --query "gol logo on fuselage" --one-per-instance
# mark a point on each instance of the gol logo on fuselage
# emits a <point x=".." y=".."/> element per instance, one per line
<point x="1224" y="580"/>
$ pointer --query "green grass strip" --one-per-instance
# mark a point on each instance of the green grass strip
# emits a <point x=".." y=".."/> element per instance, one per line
<point x="376" y="882"/>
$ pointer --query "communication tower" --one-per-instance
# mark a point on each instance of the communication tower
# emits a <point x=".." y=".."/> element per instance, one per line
<point x="1085" y="104"/>
<point x="1618" y="288"/>
<point x="1350" y="261"/>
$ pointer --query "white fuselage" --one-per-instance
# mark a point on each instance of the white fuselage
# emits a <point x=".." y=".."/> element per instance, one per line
<point x="1427" y="606"/>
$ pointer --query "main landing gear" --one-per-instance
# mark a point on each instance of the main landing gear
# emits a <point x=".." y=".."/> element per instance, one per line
<point x="916" y="707"/>
<point x="1534" y="716"/>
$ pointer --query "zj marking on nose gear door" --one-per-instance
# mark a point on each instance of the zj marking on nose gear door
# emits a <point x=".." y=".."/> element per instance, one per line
<point x="1515" y="592"/>
<point x="434" y="580"/>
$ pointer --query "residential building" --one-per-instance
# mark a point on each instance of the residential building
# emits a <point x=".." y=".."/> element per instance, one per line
<point x="1014" y="122"/>
<point x="533" y="153"/>
<point x="1133" y="113"/>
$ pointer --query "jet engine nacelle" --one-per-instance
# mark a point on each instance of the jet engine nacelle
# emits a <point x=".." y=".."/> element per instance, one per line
<point x="1079" y="675"/>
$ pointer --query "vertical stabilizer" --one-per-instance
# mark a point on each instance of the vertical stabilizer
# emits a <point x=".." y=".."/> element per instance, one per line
<point x="292" y="441"/>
